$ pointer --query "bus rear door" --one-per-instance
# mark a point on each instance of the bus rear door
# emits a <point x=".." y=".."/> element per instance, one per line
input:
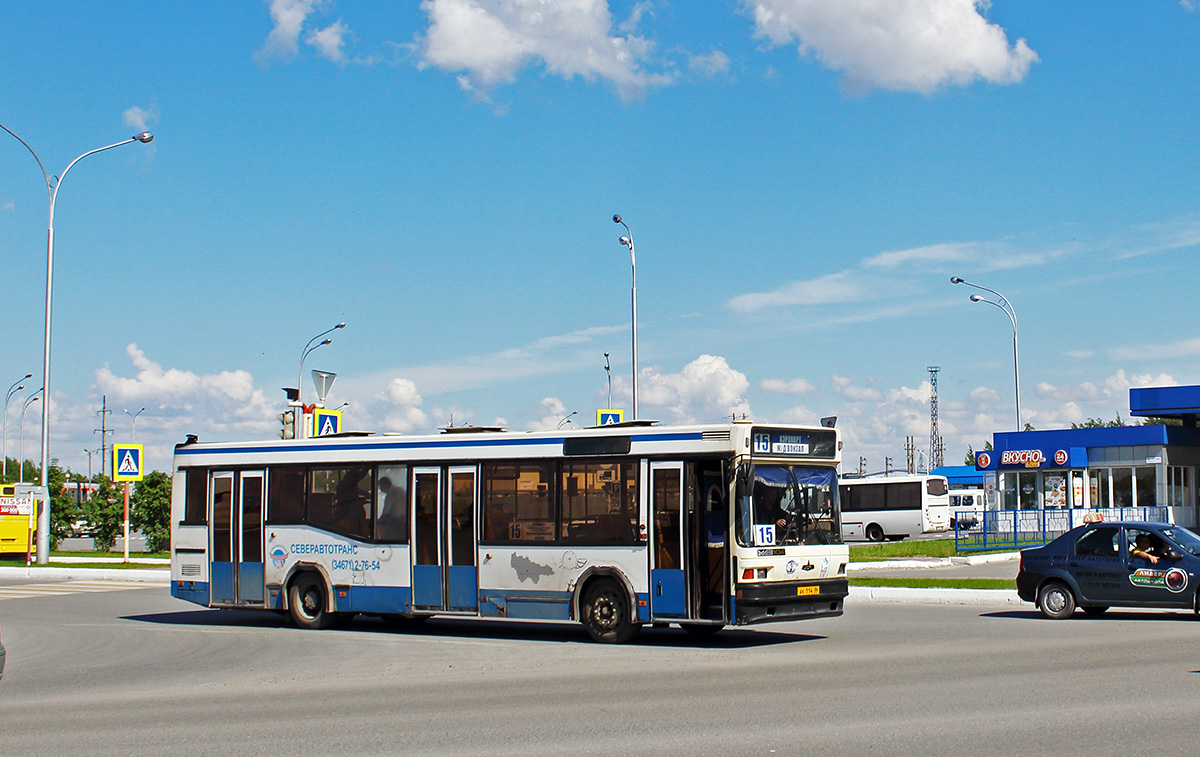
<point x="237" y="512"/>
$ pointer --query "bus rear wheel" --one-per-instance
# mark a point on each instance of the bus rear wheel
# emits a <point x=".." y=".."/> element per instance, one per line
<point x="308" y="602"/>
<point x="874" y="532"/>
<point x="606" y="614"/>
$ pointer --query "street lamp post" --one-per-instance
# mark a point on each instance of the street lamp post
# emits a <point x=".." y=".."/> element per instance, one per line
<point x="43" y="525"/>
<point x="298" y="423"/>
<point x="134" y="417"/>
<point x="21" y="454"/>
<point x="627" y="241"/>
<point x="305" y="352"/>
<point x="16" y="387"/>
<point x="1007" y="307"/>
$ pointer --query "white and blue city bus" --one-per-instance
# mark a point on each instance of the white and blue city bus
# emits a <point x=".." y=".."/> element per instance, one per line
<point x="614" y="527"/>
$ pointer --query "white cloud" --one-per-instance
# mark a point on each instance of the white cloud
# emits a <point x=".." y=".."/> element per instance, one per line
<point x="140" y="119"/>
<point x="794" y="386"/>
<point x="1115" y="389"/>
<point x="154" y="384"/>
<point x="984" y="395"/>
<point x="401" y="407"/>
<point x="288" y="17"/>
<point x="709" y="65"/>
<point x="1079" y="354"/>
<point x="1189" y="5"/>
<point x="7" y="206"/>
<point x="705" y="390"/>
<point x="905" y="45"/>
<point x="832" y="288"/>
<point x="1144" y="352"/>
<point x="553" y="414"/>
<point x="492" y="40"/>
<point x="845" y="387"/>
<point x="329" y="41"/>
<point x="934" y="253"/>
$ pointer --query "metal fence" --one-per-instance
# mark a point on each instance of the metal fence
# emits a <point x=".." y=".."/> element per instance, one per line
<point x="998" y="529"/>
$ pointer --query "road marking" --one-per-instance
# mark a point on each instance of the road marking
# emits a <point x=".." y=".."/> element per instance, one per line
<point x="27" y="591"/>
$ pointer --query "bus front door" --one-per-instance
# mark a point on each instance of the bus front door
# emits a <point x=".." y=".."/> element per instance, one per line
<point x="668" y="583"/>
<point x="237" y="511"/>
<point x="444" y="574"/>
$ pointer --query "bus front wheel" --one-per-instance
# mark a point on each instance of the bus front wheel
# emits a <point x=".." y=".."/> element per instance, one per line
<point x="606" y="613"/>
<point x="874" y="532"/>
<point x="308" y="602"/>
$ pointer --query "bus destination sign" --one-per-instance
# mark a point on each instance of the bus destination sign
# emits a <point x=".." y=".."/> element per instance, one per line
<point x="781" y="444"/>
<point x="820" y="443"/>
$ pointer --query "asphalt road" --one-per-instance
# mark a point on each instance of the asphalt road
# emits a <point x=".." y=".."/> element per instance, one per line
<point x="134" y="671"/>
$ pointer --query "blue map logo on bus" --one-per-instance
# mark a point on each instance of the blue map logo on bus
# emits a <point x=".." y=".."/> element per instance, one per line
<point x="279" y="555"/>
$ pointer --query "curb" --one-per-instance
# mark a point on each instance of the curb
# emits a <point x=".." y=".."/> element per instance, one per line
<point x="899" y="594"/>
<point x="149" y="575"/>
<point x="934" y="562"/>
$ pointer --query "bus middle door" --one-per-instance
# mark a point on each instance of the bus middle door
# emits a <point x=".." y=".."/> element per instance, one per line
<point x="237" y="565"/>
<point x="444" y="574"/>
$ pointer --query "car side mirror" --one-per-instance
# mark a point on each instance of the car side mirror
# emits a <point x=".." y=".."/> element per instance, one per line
<point x="1171" y="554"/>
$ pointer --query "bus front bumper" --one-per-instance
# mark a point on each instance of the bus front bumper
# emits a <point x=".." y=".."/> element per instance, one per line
<point x="790" y="600"/>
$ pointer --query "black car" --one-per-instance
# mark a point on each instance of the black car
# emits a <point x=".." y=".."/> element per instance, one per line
<point x="1102" y="565"/>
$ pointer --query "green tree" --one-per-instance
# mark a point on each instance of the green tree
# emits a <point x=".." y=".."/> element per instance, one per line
<point x="63" y="509"/>
<point x="1100" y="423"/>
<point x="970" y="458"/>
<point x="105" y="512"/>
<point x="150" y="510"/>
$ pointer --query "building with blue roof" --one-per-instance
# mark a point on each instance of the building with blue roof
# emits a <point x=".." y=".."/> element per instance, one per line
<point x="1101" y="468"/>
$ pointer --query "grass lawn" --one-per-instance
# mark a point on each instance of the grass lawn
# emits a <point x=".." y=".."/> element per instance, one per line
<point x="924" y="548"/>
<point x="938" y="583"/>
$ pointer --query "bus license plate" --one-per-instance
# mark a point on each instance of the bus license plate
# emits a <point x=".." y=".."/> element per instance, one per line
<point x="805" y="591"/>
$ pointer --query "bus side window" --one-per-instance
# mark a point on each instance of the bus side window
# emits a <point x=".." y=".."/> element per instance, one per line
<point x="391" y="504"/>
<point x="195" y="510"/>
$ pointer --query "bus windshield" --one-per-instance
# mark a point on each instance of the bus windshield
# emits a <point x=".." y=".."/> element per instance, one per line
<point x="788" y="505"/>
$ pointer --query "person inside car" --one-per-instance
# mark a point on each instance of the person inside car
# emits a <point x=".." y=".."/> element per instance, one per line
<point x="1145" y="549"/>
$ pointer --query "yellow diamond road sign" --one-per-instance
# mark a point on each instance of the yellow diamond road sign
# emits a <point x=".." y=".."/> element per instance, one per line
<point x="127" y="462"/>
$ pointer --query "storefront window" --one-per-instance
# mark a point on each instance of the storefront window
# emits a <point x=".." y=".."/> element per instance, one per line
<point x="1054" y="489"/>
<point x="1076" y="488"/>
<point x="1178" y="487"/>
<point x="1122" y="484"/>
<point x="1147" y="494"/>
<point x="1009" y="492"/>
<point x="1027" y="483"/>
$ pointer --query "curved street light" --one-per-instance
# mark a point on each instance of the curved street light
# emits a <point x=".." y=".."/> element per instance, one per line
<point x="16" y="387"/>
<point x="52" y="187"/>
<point x="28" y="401"/>
<point x="1007" y="307"/>
<point x="134" y="417"/>
<point x="304" y="355"/>
<point x="627" y="241"/>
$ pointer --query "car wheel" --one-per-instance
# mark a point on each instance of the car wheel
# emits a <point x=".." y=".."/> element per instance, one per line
<point x="606" y="613"/>
<point x="1056" y="600"/>
<point x="1095" y="610"/>
<point x="874" y="532"/>
<point x="308" y="602"/>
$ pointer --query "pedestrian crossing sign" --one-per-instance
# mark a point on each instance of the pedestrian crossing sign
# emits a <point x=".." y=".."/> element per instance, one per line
<point x="326" y="422"/>
<point x="609" y="417"/>
<point x="127" y="462"/>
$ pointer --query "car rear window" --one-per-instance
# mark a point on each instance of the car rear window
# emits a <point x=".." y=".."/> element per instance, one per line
<point x="1098" y="542"/>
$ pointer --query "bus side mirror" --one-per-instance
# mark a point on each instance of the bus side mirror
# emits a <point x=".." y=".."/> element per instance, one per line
<point x="744" y="477"/>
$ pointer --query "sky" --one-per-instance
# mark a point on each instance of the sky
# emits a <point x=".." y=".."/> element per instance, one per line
<point x="802" y="178"/>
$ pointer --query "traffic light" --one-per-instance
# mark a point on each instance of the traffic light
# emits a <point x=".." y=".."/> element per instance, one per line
<point x="288" y="421"/>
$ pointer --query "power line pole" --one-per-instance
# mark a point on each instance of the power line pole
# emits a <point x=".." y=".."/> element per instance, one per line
<point x="103" y="430"/>
<point x="935" y="446"/>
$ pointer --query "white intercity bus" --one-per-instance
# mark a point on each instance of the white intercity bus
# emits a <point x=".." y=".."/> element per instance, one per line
<point x="894" y="507"/>
<point x="614" y="527"/>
